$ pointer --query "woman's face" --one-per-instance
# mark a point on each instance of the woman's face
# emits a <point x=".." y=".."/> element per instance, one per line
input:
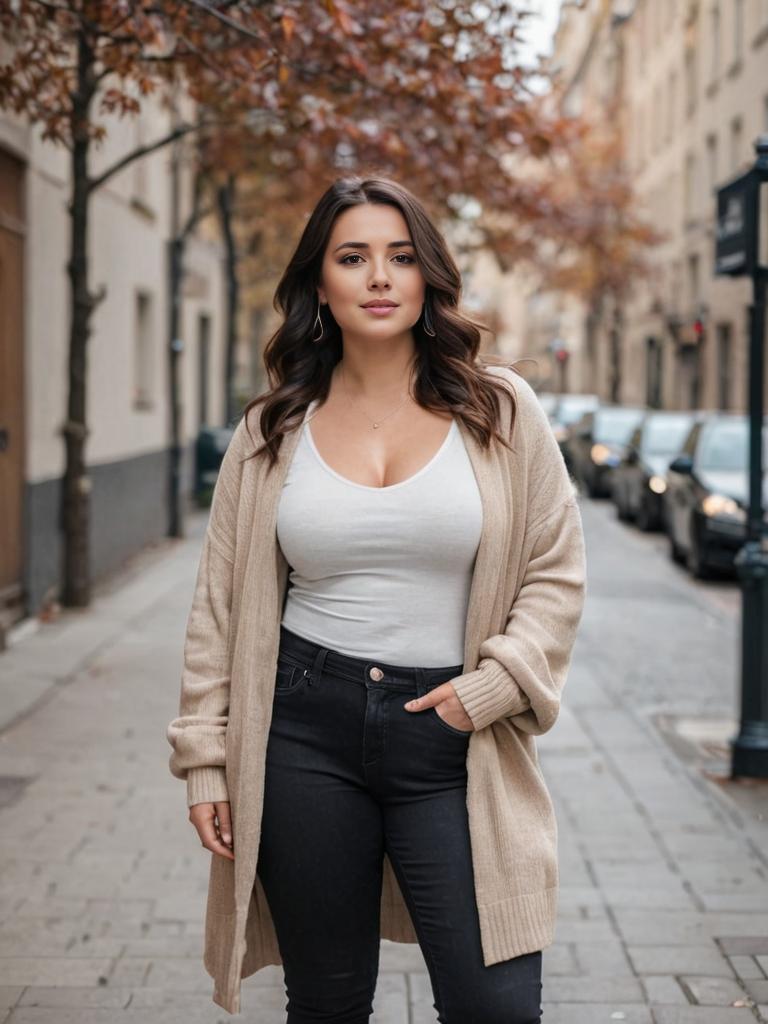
<point x="370" y="256"/>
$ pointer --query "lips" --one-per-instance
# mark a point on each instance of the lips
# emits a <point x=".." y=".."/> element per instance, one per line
<point x="379" y="304"/>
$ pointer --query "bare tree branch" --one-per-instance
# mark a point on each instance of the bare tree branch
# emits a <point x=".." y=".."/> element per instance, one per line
<point x="139" y="152"/>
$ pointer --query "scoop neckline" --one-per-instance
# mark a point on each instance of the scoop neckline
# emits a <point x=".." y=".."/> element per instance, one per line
<point x="369" y="487"/>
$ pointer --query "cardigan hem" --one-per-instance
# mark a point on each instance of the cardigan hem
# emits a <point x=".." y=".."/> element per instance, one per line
<point x="518" y="925"/>
<point x="207" y="784"/>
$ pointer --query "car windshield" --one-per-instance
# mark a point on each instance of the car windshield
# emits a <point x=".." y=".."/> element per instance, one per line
<point x="613" y="426"/>
<point x="725" y="446"/>
<point x="664" y="435"/>
<point x="571" y="410"/>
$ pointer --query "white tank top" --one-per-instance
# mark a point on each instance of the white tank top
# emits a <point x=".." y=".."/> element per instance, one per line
<point x="381" y="572"/>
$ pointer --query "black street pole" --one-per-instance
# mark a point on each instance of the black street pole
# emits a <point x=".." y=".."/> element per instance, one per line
<point x="750" y="747"/>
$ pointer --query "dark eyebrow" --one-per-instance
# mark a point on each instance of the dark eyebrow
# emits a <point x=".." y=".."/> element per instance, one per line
<point x="364" y="245"/>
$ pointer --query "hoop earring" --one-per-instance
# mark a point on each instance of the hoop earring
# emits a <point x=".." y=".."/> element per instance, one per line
<point x="314" y="325"/>
<point x="428" y="329"/>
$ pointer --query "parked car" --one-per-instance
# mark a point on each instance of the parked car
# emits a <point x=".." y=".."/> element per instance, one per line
<point x="638" y="482"/>
<point x="597" y="443"/>
<point x="708" y="492"/>
<point x="211" y="444"/>
<point x="566" y="412"/>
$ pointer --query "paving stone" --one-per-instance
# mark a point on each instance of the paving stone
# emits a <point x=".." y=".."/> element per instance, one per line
<point x="749" y="945"/>
<point x="47" y="996"/>
<point x="595" y="1013"/>
<point x="663" y="989"/>
<point x="702" y="1015"/>
<point x="712" y="991"/>
<point x="678" y="960"/>
<point x="10" y="995"/>
<point x="63" y="971"/>
<point x="593" y="988"/>
<point x="757" y="990"/>
<point x="746" y="967"/>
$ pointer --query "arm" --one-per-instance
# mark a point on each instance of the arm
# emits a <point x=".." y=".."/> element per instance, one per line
<point x="198" y="735"/>
<point x="521" y="672"/>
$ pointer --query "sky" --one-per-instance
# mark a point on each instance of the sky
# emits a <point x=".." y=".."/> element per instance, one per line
<point x="541" y="25"/>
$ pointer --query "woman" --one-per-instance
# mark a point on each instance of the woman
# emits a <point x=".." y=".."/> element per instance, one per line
<point x="388" y="595"/>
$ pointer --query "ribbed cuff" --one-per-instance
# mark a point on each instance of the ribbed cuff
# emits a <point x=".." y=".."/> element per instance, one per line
<point x="207" y="785"/>
<point x="489" y="693"/>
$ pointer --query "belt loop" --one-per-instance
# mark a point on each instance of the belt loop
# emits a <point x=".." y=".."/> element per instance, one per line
<point x="317" y="665"/>
<point x="421" y="682"/>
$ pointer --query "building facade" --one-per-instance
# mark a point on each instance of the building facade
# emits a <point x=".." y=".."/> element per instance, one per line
<point x="693" y="80"/>
<point x="127" y="365"/>
<point x="696" y="91"/>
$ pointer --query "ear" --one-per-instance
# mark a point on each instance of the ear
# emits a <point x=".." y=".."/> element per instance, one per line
<point x="321" y="295"/>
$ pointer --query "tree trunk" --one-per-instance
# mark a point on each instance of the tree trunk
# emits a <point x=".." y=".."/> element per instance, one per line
<point x="77" y="485"/>
<point x="176" y="250"/>
<point x="226" y="200"/>
<point x="616" y="331"/>
<point x="175" y="278"/>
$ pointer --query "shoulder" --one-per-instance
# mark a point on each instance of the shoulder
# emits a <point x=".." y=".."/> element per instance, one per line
<point x="530" y="418"/>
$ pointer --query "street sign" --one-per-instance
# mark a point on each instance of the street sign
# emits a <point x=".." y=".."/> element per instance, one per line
<point x="736" y="233"/>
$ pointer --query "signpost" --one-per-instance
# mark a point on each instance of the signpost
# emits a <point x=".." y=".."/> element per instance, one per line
<point x="737" y="254"/>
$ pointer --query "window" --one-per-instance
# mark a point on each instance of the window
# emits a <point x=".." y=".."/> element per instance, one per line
<point x="736" y="143"/>
<point x="724" y="366"/>
<point x="714" y="15"/>
<point x="690" y="79"/>
<point x="712" y="170"/>
<point x="143" y="361"/>
<point x="672" y="105"/>
<point x="690" y="185"/>
<point x="693" y="282"/>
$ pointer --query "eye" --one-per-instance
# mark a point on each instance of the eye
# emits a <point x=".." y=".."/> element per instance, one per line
<point x="401" y="257"/>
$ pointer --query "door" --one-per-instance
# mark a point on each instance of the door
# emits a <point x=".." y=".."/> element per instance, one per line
<point x="11" y="387"/>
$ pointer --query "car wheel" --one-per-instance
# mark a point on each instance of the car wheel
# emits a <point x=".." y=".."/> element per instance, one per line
<point x="676" y="553"/>
<point x="696" y="560"/>
<point x="643" y="519"/>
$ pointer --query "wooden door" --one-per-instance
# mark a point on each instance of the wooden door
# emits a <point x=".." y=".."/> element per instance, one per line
<point x="11" y="387"/>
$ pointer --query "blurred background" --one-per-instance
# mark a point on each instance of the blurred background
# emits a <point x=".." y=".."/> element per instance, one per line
<point x="157" y="165"/>
<point x="592" y="164"/>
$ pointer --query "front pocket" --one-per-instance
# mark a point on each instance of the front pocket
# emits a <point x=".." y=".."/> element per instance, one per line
<point x="466" y="733"/>
<point x="288" y="677"/>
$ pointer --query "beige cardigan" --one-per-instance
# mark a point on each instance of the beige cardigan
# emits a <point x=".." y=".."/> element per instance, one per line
<point x="525" y="604"/>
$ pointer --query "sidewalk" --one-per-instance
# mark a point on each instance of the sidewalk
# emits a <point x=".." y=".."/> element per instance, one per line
<point x="663" y="910"/>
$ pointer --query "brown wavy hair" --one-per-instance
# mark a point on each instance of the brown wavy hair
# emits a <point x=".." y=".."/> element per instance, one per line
<point x="448" y="376"/>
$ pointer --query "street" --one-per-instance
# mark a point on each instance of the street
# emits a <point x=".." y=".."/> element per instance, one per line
<point x="663" y="910"/>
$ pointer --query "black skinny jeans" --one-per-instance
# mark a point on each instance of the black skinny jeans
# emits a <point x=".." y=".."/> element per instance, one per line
<point x="351" y="774"/>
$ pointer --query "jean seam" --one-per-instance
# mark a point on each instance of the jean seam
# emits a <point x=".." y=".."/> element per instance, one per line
<point x="419" y="928"/>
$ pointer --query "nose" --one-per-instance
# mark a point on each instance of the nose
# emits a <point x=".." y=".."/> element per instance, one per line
<point x="379" y="277"/>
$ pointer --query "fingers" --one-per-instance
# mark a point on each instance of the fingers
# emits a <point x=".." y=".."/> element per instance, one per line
<point x="203" y="816"/>
<point x="225" y="822"/>
<point x="428" y="700"/>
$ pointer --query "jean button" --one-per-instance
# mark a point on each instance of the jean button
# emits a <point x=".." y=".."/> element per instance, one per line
<point x="376" y="673"/>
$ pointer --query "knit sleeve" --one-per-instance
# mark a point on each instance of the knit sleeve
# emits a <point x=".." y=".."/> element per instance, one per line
<point x="522" y="671"/>
<point x="198" y="734"/>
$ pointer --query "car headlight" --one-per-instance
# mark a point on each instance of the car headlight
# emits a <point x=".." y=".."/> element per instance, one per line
<point x="657" y="484"/>
<point x="722" y="505"/>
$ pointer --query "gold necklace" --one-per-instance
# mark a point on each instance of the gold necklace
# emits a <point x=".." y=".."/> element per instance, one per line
<point x="374" y="422"/>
